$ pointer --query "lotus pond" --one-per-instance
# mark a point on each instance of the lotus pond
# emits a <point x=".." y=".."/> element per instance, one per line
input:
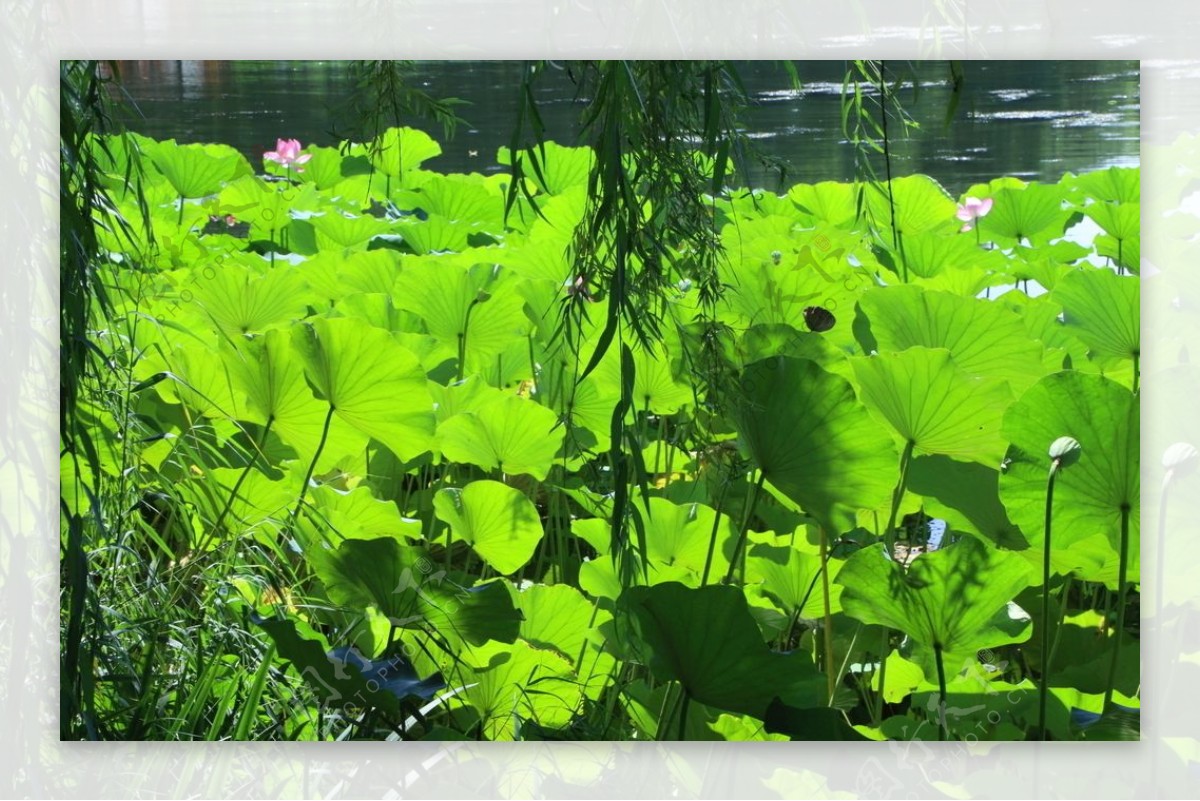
<point x="399" y="470"/>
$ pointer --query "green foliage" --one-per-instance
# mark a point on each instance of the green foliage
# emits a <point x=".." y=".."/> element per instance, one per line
<point x="565" y="454"/>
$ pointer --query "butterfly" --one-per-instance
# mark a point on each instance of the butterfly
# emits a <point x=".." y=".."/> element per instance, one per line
<point x="818" y="318"/>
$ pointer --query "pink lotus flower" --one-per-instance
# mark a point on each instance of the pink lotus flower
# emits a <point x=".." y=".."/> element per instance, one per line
<point x="971" y="210"/>
<point x="287" y="153"/>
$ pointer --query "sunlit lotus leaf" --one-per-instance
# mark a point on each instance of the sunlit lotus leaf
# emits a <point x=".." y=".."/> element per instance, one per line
<point x="828" y="202"/>
<point x="984" y="339"/>
<point x="1034" y="213"/>
<point x="508" y="684"/>
<point x="400" y="150"/>
<point x="456" y="199"/>
<point x="369" y="380"/>
<point x="497" y="521"/>
<point x="1101" y="309"/>
<point x="513" y="435"/>
<point x="932" y="403"/>
<point x="1089" y="496"/>
<point x="242" y="299"/>
<point x="267" y="372"/>
<point x="792" y="579"/>
<point x="918" y="203"/>
<point x="197" y="170"/>
<point x="358" y="515"/>
<point x="552" y="167"/>
<point x="1114" y="185"/>
<point x="459" y="302"/>
<point x="336" y="231"/>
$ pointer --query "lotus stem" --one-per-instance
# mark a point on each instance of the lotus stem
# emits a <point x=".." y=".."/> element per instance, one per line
<point x="889" y="535"/>
<point x="755" y="491"/>
<point x="828" y="622"/>
<point x="712" y="538"/>
<point x="1044" y="678"/>
<point x="943" y="726"/>
<point x="1064" y="452"/>
<point x="1122" y="591"/>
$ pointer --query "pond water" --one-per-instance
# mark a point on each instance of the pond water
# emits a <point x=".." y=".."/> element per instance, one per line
<point x="1032" y="119"/>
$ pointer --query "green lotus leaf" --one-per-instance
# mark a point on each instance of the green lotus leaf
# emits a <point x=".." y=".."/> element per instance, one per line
<point x="829" y="202"/>
<point x="814" y="441"/>
<point x="967" y="496"/>
<point x="336" y="231"/>
<point x="558" y="616"/>
<point x="599" y="578"/>
<point x="357" y="515"/>
<point x="404" y="584"/>
<point x="678" y="537"/>
<point x="1090" y="496"/>
<point x="242" y="299"/>
<point x="369" y="380"/>
<point x="1126" y="253"/>
<point x="1114" y="185"/>
<point x="435" y="235"/>
<point x="918" y="202"/>
<point x="933" y="404"/>
<point x="1101" y="309"/>
<point x="934" y="254"/>
<point x="957" y="597"/>
<point x="264" y="205"/>
<point x="259" y="499"/>
<point x="1034" y="213"/>
<point x="459" y="303"/>
<point x="325" y="168"/>
<point x="268" y="373"/>
<point x="552" y="167"/>
<point x="706" y="639"/>
<point x="513" y="435"/>
<point x="791" y="578"/>
<point x="198" y="380"/>
<point x="512" y="684"/>
<point x="400" y="150"/>
<point x="456" y="198"/>
<point x="655" y="386"/>
<point x="197" y="170"/>
<point x="984" y="339"/>
<point x="497" y="521"/>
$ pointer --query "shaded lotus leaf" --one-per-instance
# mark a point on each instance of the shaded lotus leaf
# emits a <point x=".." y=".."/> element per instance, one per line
<point x="956" y="597"/>
<point x="813" y="440"/>
<point x="706" y="639"/>
<point x="404" y="584"/>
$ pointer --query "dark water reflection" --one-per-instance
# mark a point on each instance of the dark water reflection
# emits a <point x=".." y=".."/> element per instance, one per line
<point x="1032" y="119"/>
